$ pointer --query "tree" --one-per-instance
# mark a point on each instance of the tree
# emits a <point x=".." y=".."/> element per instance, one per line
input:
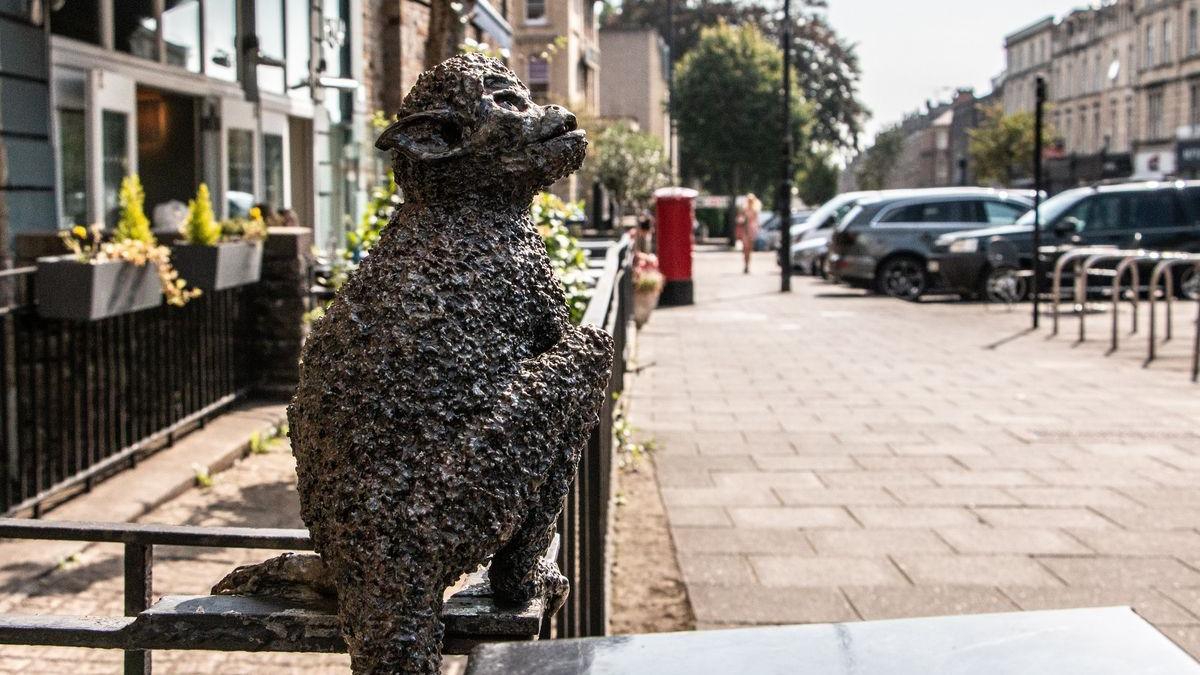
<point x="1001" y="148"/>
<point x="876" y="164"/>
<point x="727" y="96"/>
<point x="447" y="29"/>
<point x="827" y="72"/>
<point x="817" y="179"/>
<point x="631" y="165"/>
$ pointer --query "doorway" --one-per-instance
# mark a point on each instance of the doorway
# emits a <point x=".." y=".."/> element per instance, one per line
<point x="167" y="147"/>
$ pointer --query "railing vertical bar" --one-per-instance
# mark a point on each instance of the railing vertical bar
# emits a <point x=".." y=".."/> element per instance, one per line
<point x="139" y="587"/>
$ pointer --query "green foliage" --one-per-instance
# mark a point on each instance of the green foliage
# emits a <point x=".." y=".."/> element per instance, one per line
<point x="201" y="227"/>
<point x="830" y="72"/>
<point x="817" y="179"/>
<point x="875" y="167"/>
<point x="384" y="200"/>
<point x="567" y="258"/>
<point x="727" y="104"/>
<point x="133" y="224"/>
<point x="202" y="476"/>
<point x="262" y="443"/>
<point x="630" y="452"/>
<point x="631" y="165"/>
<point x="1001" y="148"/>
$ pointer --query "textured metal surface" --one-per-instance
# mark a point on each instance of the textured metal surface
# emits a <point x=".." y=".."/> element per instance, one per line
<point x="1105" y="641"/>
<point x="445" y="398"/>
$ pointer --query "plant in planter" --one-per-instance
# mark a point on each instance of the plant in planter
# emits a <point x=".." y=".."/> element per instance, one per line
<point x="99" y="280"/>
<point x="216" y="256"/>
<point x="569" y="260"/>
<point x="647" y="286"/>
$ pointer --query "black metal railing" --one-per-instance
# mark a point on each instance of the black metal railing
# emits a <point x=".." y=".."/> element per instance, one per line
<point x="585" y="522"/>
<point x="79" y="399"/>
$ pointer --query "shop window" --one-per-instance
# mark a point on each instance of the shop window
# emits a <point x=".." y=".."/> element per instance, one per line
<point x="240" y="194"/>
<point x="181" y="33"/>
<point x="135" y="28"/>
<point x="78" y="20"/>
<point x="114" y="160"/>
<point x="220" y="39"/>
<point x="269" y="19"/>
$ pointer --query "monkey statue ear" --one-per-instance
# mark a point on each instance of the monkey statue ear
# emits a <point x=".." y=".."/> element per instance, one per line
<point x="425" y="136"/>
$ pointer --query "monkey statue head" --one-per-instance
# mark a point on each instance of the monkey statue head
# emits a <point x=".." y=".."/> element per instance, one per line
<point x="469" y="125"/>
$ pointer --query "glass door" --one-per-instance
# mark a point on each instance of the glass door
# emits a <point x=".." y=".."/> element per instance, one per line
<point x="112" y="138"/>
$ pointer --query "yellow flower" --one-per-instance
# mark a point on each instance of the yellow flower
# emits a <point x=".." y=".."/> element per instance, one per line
<point x="79" y="231"/>
<point x="255" y="213"/>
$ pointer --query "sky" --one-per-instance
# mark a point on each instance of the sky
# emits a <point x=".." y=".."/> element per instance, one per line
<point x="914" y="50"/>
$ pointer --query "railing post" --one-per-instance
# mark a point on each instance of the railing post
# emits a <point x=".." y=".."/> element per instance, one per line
<point x="139" y="585"/>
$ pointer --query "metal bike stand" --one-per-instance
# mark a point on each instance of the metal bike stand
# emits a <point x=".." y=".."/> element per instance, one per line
<point x="1130" y="263"/>
<point x="1169" y="260"/>
<point x="1081" y="281"/>
<point x="1076" y="255"/>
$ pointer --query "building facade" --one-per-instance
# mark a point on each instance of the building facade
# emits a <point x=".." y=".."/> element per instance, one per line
<point x="633" y="84"/>
<point x="266" y="101"/>
<point x="556" y="51"/>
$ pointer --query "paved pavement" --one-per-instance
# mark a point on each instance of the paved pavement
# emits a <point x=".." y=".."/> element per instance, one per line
<point x="831" y="456"/>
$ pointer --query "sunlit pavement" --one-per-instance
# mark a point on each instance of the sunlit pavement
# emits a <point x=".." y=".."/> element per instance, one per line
<point x="828" y="456"/>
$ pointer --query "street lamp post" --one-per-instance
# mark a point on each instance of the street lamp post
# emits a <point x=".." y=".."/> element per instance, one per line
<point x="784" y="205"/>
<point x="1038" y="123"/>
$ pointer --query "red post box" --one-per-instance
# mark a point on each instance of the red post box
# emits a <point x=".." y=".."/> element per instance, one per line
<point x="675" y="210"/>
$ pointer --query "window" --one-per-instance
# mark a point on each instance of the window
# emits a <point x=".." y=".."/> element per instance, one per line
<point x="70" y="87"/>
<point x="1154" y="114"/>
<point x="535" y="10"/>
<point x="539" y="78"/>
<point x="1102" y="212"/>
<point x="1001" y="213"/>
<point x="220" y="39"/>
<point x="135" y="28"/>
<point x="1156" y="209"/>
<point x="1167" y="53"/>
<point x="1149" y="46"/>
<point x="114" y="160"/>
<point x="181" y="33"/>
<point x="932" y="212"/>
<point x="299" y="47"/>
<point x="1193" y="32"/>
<point x="269" y="20"/>
<point x="1096" y="127"/>
<point x="1194" y="103"/>
<point x="273" y="171"/>
<point x="241" y="172"/>
<point x="78" y="20"/>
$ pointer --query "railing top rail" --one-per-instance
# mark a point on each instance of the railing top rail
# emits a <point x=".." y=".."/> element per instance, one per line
<point x="145" y="533"/>
<point x="17" y="271"/>
<point x="614" y="257"/>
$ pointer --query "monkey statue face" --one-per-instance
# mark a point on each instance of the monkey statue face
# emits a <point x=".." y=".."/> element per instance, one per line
<point x="469" y="125"/>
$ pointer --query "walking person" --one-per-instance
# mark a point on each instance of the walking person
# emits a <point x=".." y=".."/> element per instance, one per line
<point x="748" y="228"/>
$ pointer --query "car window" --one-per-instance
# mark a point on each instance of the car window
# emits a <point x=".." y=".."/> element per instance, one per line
<point x="1099" y="213"/>
<point x="1155" y="209"/>
<point x="1001" y="213"/>
<point x="932" y="212"/>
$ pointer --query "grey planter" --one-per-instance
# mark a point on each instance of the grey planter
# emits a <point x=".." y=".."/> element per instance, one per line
<point x="216" y="268"/>
<point x="69" y="289"/>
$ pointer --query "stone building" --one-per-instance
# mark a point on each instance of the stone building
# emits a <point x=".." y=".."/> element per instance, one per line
<point x="633" y="84"/>
<point x="557" y="52"/>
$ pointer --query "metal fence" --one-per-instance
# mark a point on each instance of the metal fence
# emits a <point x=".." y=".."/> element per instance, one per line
<point x="84" y="398"/>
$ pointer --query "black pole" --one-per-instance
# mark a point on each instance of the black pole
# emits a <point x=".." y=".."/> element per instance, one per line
<point x="671" y="87"/>
<point x="785" y="186"/>
<point x="1038" y="122"/>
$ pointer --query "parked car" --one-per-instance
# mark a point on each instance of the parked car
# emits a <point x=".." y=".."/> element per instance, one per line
<point x="1147" y="215"/>
<point x="769" y="234"/>
<point x="885" y="241"/>
<point x="810" y="239"/>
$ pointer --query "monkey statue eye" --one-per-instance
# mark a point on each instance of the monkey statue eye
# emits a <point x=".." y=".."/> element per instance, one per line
<point x="510" y="100"/>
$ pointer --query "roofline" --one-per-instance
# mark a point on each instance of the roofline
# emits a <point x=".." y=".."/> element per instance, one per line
<point x="1039" y="25"/>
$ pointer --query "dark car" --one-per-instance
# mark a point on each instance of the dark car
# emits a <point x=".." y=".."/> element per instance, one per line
<point x="810" y="239"/>
<point x="1155" y="216"/>
<point x="885" y="242"/>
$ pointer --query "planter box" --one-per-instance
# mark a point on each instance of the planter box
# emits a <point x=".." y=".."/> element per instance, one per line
<point x="216" y="268"/>
<point x="69" y="289"/>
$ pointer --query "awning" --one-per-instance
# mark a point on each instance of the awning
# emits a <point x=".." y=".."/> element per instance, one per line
<point x="488" y="20"/>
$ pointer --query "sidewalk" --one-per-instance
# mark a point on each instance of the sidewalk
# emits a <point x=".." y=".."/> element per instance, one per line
<point x="829" y="456"/>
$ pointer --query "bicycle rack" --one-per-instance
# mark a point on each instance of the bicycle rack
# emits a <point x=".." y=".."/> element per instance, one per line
<point x="1082" y="277"/>
<point x="1131" y="263"/>
<point x="1169" y="260"/>
<point x="1056" y="286"/>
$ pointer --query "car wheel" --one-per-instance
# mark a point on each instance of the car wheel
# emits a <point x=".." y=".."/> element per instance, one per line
<point x="902" y="277"/>
<point x="1005" y="284"/>
<point x="1189" y="284"/>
